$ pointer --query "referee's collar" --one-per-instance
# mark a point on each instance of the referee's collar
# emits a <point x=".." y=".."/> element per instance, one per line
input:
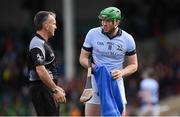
<point x="40" y="37"/>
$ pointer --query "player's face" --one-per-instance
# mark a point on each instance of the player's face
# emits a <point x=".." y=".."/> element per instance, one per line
<point x="107" y="25"/>
<point x="51" y="26"/>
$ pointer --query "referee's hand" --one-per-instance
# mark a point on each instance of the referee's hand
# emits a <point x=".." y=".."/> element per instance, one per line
<point x="60" y="95"/>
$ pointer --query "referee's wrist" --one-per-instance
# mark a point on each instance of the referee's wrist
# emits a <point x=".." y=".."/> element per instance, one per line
<point x="54" y="90"/>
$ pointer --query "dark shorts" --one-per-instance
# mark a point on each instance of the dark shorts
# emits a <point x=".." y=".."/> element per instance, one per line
<point x="43" y="100"/>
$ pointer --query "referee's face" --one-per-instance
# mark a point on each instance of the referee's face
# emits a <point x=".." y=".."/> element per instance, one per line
<point x="51" y="26"/>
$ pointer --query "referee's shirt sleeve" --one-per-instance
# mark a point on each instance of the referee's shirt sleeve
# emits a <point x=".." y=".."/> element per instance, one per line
<point x="37" y="57"/>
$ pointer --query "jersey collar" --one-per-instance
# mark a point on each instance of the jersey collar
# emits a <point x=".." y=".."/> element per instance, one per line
<point x="119" y="33"/>
<point x="40" y="37"/>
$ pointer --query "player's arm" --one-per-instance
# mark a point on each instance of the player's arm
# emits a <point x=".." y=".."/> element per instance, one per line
<point x="85" y="62"/>
<point x="84" y="58"/>
<point x="131" y="67"/>
<point x="145" y="95"/>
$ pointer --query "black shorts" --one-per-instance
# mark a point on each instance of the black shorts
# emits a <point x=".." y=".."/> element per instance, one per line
<point x="42" y="99"/>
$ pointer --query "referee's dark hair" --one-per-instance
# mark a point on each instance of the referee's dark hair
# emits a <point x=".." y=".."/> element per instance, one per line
<point x="41" y="17"/>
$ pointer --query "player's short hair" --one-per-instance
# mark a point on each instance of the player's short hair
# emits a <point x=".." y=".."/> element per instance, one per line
<point x="41" y="17"/>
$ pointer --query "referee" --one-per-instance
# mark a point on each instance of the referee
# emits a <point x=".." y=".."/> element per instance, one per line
<point x="44" y="92"/>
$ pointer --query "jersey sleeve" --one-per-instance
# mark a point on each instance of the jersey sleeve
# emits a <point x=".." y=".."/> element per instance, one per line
<point x="37" y="57"/>
<point x="131" y="46"/>
<point x="87" y="45"/>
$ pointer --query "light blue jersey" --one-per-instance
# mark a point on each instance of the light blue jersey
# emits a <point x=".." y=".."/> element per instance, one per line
<point x="109" y="52"/>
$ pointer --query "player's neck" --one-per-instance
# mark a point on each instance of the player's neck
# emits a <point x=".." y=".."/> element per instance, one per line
<point x="113" y="32"/>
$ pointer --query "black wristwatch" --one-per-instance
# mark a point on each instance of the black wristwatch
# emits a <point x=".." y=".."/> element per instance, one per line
<point x="54" y="91"/>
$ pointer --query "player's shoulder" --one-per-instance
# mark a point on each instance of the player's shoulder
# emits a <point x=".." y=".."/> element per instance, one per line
<point x="126" y="34"/>
<point x="95" y="30"/>
<point x="149" y="80"/>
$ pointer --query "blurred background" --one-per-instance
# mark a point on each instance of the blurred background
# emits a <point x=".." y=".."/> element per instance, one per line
<point x="154" y="24"/>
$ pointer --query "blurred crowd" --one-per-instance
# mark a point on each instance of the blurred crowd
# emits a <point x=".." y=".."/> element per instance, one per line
<point x="13" y="93"/>
<point x="144" y="18"/>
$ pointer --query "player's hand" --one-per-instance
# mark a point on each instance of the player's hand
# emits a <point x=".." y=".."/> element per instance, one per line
<point x="60" y="95"/>
<point x="116" y="74"/>
<point x="92" y="67"/>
